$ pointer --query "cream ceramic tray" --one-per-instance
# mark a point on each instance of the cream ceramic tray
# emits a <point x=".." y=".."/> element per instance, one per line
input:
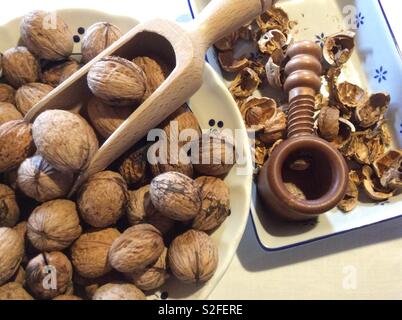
<point x="376" y="65"/>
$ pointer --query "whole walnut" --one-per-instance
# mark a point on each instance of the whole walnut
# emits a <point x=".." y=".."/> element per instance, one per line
<point x="7" y="93"/>
<point x="88" y="286"/>
<point x="176" y="196"/>
<point x="16" y="144"/>
<point x="67" y="297"/>
<point x="11" y="253"/>
<point x="9" y="210"/>
<point x="64" y="139"/>
<point x="136" y="248"/>
<point x="133" y="166"/>
<point x="117" y="81"/>
<point x="89" y="253"/>
<point x="153" y="276"/>
<point x="8" y="112"/>
<point x="20" y="67"/>
<point x="216" y="155"/>
<point x="19" y="276"/>
<point x="215" y="209"/>
<point x="41" y="181"/>
<point x="118" y="291"/>
<point x="54" y="225"/>
<point x="46" y="35"/>
<point x="102" y="199"/>
<point x="141" y="210"/>
<point x="97" y="38"/>
<point x="155" y="71"/>
<point x="14" y="291"/>
<point x="58" y="73"/>
<point x="193" y="258"/>
<point x="30" y="94"/>
<point x="48" y="275"/>
<point x="104" y="118"/>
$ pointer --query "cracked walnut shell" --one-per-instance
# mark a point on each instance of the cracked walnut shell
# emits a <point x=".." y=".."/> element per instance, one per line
<point x="9" y="209"/>
<point x="11" y="253"/>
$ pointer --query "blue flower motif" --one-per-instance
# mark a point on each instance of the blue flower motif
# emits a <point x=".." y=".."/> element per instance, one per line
<point x="381" y="74"/>
<point x="320" y="39"/>
<point x="359" y="20"/>
<point x="401" y="129"/>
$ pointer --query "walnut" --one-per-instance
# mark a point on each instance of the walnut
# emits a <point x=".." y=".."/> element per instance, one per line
<point x="8" y="113"/>
<point x="67" y="297"/>
<point x="64" y="139"/>
<point x="7" y="93"/>
<point x="20" y="67"/>
<point x="102" y="199"/>
<point x="90" y="285"/>
<point x="328" y="123"/>
<point x="19" y="276"/>
<point x="216" y="155"/>
<point x="136" y="248"/>
<point x="9" y="210"/>
<point x="44" y="266"/>
<point x="193" y="258"/>
<point x="30" y="94"/>
<point x="16" y="144"/>
<point x="97" y="38"/>
<point x="89" y="253"/>
<point x="245" y="83"/>
<point x="153" y="276"/>
<point x="106" y="119"/>
<point x="14" y="291"/>
<point x="54" y="225"/>
<point x="176" y="196"/>
<point x="11" y="253"/>
<point x="41" y="181"/>
<point x="338" y="48"/>
<point x="117" y="81"/>
<point x="215" y="204"/>
<point x="155" y="71"/>
<point x="46" y="35"/>
<point x="57" y="74"/>
<point x="141" y="210"/>
<point x="133" y="166"/>
<point x="118" y="291"/>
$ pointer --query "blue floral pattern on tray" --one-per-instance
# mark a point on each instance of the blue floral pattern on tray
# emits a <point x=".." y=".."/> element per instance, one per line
<point x="380" y="74"/>
<point x="359" y="20"/>
<point x="320" y="39"/>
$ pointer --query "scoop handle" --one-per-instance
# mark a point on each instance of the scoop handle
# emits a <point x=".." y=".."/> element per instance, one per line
<point x="221" y="17"/>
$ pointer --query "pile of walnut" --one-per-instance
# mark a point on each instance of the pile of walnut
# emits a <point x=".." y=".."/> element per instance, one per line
<point x="347" y="116"/>
<point x="128" y="228"/>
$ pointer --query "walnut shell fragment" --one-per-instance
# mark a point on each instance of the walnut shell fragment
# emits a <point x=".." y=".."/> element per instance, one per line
<point x="176" y="196"/>
<point x="245" y="83"/>
<point x="193" y="257"/>
<point x="274" y="18"/>
<point x="11" y="253"/>
<point x="372" y="186"/>
<point x="350" y="95"/>
<point x="230" y="63"/>
<point x="47" y="35"/>
<point x="271" y="41"/>
<point x="350" y="200"/>
<point x="338" y="48"/>
<point x="39" y="180"/>
<point x="30" y="94"/>
<point x="8" y="113"/>
<point x="328" y="123"/>
<point x="54" y="225"/>
<point x="64" y="139"/>
<point x="118" y="291"/>
<point x="58" y="73"/>
<point x="388" y="169"/>
<point x="374" y="110"/>
<point x="14" y="291"/>
<point x="138" y="247"/>
<point x="9" y="209"/>
<point x="227" y="43"/>
<point x="274" y="69"/>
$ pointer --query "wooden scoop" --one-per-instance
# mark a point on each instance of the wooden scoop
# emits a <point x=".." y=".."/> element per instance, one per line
<point x="182" y="47"/>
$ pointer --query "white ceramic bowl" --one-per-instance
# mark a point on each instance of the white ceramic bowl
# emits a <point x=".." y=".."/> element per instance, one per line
<point x="376" y="65"/>
<point x="211" y="102"/>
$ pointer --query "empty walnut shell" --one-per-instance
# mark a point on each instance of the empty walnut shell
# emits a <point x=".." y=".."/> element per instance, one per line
<point x="350" y="200"/>
<point x="16" y="144"/>
<point x="20" y="67"/>
<point x="106" y="119"/>
<point x="328" y="123"/>
<point x="48" y="275"/>
<point x="11" y="253"/>
<point x="14" y="291"/>
<point x="117" y="81"/>
<point x="245" y="83"/>
<point x="64" y="139"/>
<point x="229" y="63"/>
<point x="228" y="42"/>
<point x="272" y="40"/>
<point x="118" y="291"/>
<point x="176" y="196"/>
<point x="274" y="69"/>
<point x="155" y="71"/>
<point x="8" y="113"/>
<point x="338" y="48"/>
<point x="41" y="181"/>
<point x="102" y="199"/>
<point x="373" y="188"/>
<point x="46" y="35"/>
<point x="9" y="210"/>
<point x="374" y="110"/>
<point x="58" y="73"/>
<point x="346" y="128"/>
<point x="7" y="93"/>
<point x="350" y="95"/>
<point x="215" y="204"/>
<point x="153" y="276"/>
<point x="138" y="247"/>
<point x="97" y="38"/>
<point x="193" y="258"/>
<point x="89" y="253"/>
<point x="30" y="94"/>
<point x="388" y="169"/>
<point x="54" y="225"/>
<point x="274" y="18"/>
